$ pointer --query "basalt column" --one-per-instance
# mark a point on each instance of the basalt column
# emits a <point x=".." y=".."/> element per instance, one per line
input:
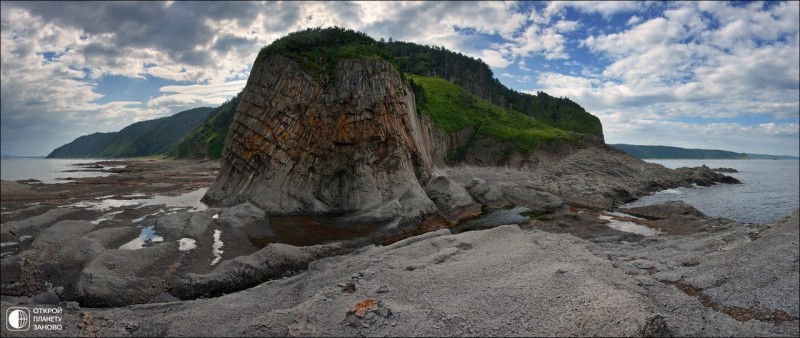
<point x="352" y="145"/>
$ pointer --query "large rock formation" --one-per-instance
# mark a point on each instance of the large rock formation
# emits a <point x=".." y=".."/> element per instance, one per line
<point x="302" y="145"/>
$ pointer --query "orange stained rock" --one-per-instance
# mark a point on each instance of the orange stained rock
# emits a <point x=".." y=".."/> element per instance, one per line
<point x="362" y="307"/>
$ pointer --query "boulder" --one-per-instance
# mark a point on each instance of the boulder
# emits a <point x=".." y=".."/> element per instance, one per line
<point x="124" y="277"/>
<point x="705" y="176"/>
<point x="536" y="200"/>
<point x="240" y="215"/>
<point x="489" y="194"/>
<point x="31" y="225"/>
<point x="273" y="261"/>
<point x="179" y="225"/>
<point x="664" y="210"/>
<point x="452" y="199"/>
<point x="60" y="233"/>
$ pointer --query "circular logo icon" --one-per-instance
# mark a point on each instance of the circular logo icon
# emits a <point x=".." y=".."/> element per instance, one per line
<point x="18" y="319"/>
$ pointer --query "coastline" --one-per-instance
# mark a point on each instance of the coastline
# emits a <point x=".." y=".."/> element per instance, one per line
<point x="574" y="241"/>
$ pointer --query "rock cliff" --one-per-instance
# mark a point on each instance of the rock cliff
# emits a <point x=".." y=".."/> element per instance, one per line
<point x="300" y="144"/>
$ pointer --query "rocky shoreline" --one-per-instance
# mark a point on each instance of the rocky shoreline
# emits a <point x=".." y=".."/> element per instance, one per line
<point x="570" y="263"/>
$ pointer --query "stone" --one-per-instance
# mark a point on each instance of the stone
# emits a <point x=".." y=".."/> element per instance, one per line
<point x="447" y="195"/>
<point x="125" y="277"/>
<point x="60" y="233"/>
<point x="240" y="215"/>
<point x="489" y="194"/>
<point x="656" y="327"/>
<point x="663" y="210"/>
<point x="534" y="199"/>
<point x="31" y="225"/>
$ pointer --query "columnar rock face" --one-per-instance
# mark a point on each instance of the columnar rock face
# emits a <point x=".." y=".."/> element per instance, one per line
<point x="352" y="146"/>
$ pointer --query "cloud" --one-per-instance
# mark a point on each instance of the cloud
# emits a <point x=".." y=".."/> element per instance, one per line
<point x="649" y="65"/>
<point x="776" y="139"/>
<point x="604" y="8"/>
<point x="211" y="95"/>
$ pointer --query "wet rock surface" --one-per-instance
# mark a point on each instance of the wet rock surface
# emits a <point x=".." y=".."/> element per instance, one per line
<point x="669" y="286"/>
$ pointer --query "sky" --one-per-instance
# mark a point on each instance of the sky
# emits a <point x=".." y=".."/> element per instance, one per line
<point x="708" y="75"/>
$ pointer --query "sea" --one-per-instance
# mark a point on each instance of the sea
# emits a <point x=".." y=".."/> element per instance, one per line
<point x="46" y="170"/>
<point x="770" y="190"/>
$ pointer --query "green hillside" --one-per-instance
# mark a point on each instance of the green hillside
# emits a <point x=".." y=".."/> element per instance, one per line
<point x="146" y="138"/>
<point x="207" y="140"/>
<point x="476" y="77"/>
<point x="665" y="152"/>
<point x="452" y="108"/>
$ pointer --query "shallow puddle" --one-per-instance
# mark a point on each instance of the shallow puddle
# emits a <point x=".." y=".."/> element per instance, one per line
<point x="629" y="226"/>
<point x="216" y="248"/>
<point x="190" y="200"/>
<point x="148" y="235"/>
<point x="186" y="244"/>
<point x="305" y="230"/>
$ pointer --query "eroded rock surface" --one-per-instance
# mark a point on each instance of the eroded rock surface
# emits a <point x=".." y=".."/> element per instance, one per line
<point x="667" y="286"/>
<point x="299" y="145"/>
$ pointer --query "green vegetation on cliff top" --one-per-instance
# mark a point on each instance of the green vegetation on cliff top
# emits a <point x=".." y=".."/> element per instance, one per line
<point x="458" y="91"/>
<point x="318" y="50"/>
<point x="452" y="108"/>
<point x="476" y="77"/>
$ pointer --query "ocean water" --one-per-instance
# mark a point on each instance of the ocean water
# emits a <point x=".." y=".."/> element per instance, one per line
<point x="47" y="170"/>
<point x="770" y="190"/>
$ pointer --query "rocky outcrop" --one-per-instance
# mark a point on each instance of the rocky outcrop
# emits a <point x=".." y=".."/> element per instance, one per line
<point x="453" y="201"/>
<point x="300" y="145"/>
<point x="705" y="176"/>
<point x="663" y="286"/>
<point x="663" y="210"/>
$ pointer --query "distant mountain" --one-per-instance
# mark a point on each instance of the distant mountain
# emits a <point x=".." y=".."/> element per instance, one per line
<point x="771" y="157"/>
<point x="146" y="138"/>
<point x="665" y="152"/>
<point x="207" y="140"/>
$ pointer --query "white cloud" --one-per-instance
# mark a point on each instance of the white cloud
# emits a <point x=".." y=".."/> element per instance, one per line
<point x="604" y="8"/>
<point x="708" y="59"/>
<point x="634" y="19"/>
<point x="196" y="95"/>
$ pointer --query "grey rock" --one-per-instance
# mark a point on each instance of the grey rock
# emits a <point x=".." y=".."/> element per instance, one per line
<point x="663" y="210"/>
<point x="656" y="327"/>
<point x="447" y="195"/>
<point x="486" y="193"/>
<point x="666" y="276"/>
<point x="60" y="233"/>
<point x="31" y="225"/>
<point x="124" y="277"/>
<point x="112" y="238"/>
<point x="179" y="225"/>
<point x="240" y="215"/>
<point x="273" y="261"/>
<point x="534" y="199"/>
<point x="47" y="298"/>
